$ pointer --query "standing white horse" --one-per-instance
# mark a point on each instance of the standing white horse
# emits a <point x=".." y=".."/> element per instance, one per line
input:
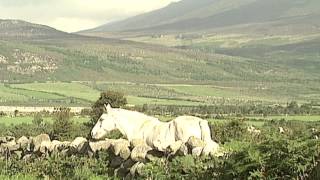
<point x="160" y="135"/>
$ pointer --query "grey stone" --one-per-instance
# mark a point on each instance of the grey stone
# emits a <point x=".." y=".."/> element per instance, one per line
<point x="139" y="153"/>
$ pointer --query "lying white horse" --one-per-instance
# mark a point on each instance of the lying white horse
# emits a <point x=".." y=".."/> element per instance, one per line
<point x="160" y="135"/>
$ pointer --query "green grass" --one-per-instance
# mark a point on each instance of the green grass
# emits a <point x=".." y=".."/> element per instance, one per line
<point x="18" y="95"/>
<point x="289" y="118"/>
<point x="28" y="120"/>
<point x="143" y="100"/>
<point x="241" y="92"/>
<point x="7" y="95"/>
<point x="198" y="90"/>
<point x="248" y="122"/>
<point x="22" y="94"/>
<point x="85" y="93"/>
<point x="19" y="177"/>
<point x="75" y="90"/>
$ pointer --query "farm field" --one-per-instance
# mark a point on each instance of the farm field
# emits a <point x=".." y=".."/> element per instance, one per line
<point x="28" y="120"/>
<point x="225" y="40"/>
<point x="75" y="90"/>
<point x="288" y="118"/>
<point x="85" y="93"/>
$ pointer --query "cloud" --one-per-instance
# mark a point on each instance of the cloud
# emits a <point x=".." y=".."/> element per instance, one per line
<point x="75" y="15"/>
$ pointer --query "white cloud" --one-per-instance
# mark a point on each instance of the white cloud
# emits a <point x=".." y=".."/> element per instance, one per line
<point x="74" y="15"/>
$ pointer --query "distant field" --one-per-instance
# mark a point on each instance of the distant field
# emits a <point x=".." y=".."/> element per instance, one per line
<point x="75" y="90"/>
<point x="82" y="93"/>
<point x="288" y="118"/>
<point x="28" y="120"/>
<point x="225" y="40"/>
<point x="214" y="91"/>
<point x="142" y="100"/>
<point x="85" y="93"/>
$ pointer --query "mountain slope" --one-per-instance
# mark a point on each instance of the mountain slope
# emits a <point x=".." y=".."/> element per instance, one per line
<point x="257" y="61"/>
<point x="88" y="58"/>
<point x="204" y="15"/>
<point x="17" y="29"/>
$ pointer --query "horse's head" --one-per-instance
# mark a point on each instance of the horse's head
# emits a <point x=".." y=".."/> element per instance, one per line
<point x="105" y="124"/>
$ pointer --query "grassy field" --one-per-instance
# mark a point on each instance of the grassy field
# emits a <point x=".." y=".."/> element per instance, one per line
<point x="142" y="100"/>
<point x="289" y="118"/>
<point x="28" y="120"/>
<point x="75" y="90"/>
<point x="85" y="93"/>
<point x="220" y="92"/>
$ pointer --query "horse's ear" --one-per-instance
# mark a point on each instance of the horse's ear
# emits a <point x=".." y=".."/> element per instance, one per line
<point x="108" y="108"/>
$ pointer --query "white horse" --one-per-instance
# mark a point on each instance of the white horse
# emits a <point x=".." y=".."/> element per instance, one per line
<point x="160" y="135"/>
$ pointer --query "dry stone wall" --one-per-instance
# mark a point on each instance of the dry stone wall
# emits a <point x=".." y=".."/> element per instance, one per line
<point x="125" y="156"/>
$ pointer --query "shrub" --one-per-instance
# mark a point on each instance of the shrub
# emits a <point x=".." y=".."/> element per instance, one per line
<point x="57" y="167"/>
<point x="225" y="131"/>
<point x="2" y="113"/>
<point x="62" y="124"/>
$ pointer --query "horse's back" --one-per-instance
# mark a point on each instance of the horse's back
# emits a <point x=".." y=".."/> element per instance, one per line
<point x="187" y="126"/>
<point x="160" y="135"/>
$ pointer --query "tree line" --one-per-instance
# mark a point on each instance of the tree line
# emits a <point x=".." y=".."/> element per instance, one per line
<point x="219" y="111"/>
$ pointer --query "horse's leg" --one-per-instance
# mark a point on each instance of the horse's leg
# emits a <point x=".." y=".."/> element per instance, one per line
<point x="211" y="147"/>
<point x="205" y="131"/>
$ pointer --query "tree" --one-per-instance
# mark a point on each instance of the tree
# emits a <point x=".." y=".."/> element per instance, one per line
<point x="62" y="124"/>
<point x="115" y="99"/>
<point x="16" y="112"/>
<point x="2" y="113"/>
<point x="293" y="107"/>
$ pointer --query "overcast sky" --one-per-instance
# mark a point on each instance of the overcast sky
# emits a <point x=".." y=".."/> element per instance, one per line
<point x="75" y="15"/>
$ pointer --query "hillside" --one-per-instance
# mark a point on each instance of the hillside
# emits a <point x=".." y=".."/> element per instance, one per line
<point x="211" y="15"/>
<point x="17" y="29"/>
<point x="242" y="63"/>
<point x="85" y="59"/>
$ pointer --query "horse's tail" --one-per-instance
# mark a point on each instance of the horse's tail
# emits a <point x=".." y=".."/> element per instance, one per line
<point x="205" y="131"/>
